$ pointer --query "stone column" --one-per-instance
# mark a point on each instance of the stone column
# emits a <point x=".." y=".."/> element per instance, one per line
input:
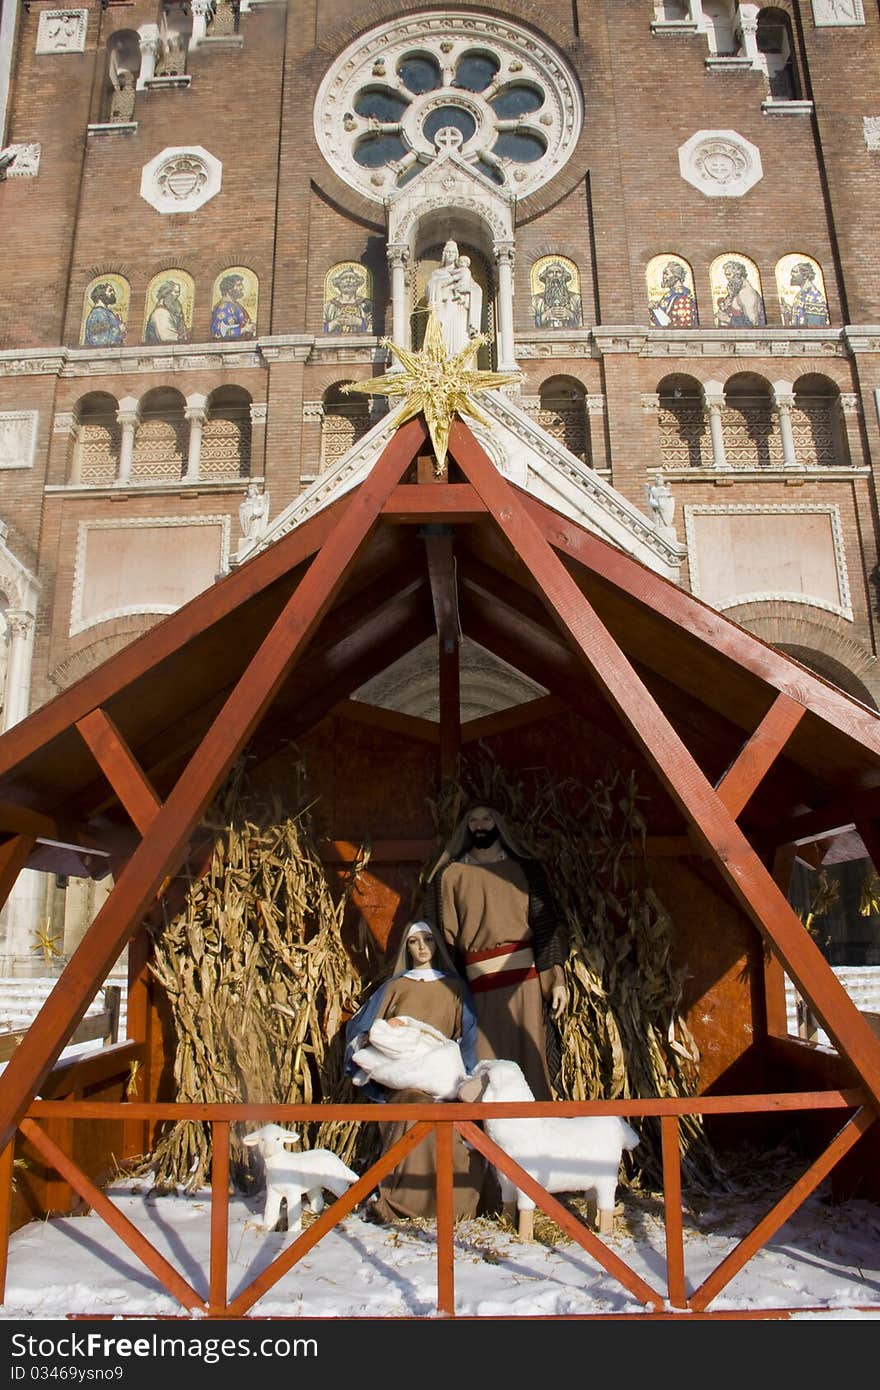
<point x="713" y="402"/>
<point x="202" y="11"/>
<point x="148" y="38"/>
<point x="746" y="26"/>
<point x="196" y="411"/>
<point x="595" y="410"/>
<point x="20" y="626"/>
<point x="259" y="412"/>
<point x="65" y="467"/>
<point x="850" y="435"/>
<point x="128" y="416"/>
<point x="505" y="352"/>
<point x="696" y="11"/>
<point x="783" y="400"/>
<point x="398" y="258"/>
<point x="312" y="457"/>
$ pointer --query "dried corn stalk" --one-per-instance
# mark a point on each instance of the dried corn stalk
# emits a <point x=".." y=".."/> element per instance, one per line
<point x="623" y="1035"/>
<point x="259" y="980"/>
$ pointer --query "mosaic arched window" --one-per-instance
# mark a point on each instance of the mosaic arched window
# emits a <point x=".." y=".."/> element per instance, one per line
<point x="499" y="95"/>
<point x="105" y="311"/>
<point x="555" y="283"/>
<point x="348" y="299"/>
<point x="234" y="303"/>
<point x="169" y="307"/>
<point x="801" y="289"/>
<point x="737" y="297"/>
<point x="672" y="299"/>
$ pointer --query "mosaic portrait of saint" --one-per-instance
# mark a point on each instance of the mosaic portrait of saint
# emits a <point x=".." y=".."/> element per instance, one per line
<point x="234" y="303"/>
<point x="801" y="289"/>
<point x="105" y="311"/>
<point x="672" y="300"/>
<point x="169" y="307"/>
<point x="736" y="292"/>
<point x="556" y="293"/>
<point x="348" y="299"/>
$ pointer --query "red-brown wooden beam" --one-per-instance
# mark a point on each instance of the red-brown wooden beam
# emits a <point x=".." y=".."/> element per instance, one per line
<point x="450" y="708"/>
<point x="711" y="822"/>
<point x="167" y="637"/>
<point x="407" y="725"/>
<point x="776" y="1014"/>
<point x="433" y="502"/>
<point x="703" y="623"/>
<point x="502" y="721"/>
<point x="121" y="768"/>
<point x="162" y="847"/>
<point x="14" y="854"/>
<point x="760" y="753"/>
<point x="444" y="589"/>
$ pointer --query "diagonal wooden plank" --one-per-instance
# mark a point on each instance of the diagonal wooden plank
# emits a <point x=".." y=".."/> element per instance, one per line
<point x="160" y="851"/>
<point x="137" y="1243"/>
<point x="168" y="636"/>
<point x="711" y="822"/>
<point x="570" y="1224"/>
<point x="759" y="754"/>
<point x="841" y="1144"/>
<point x="120" y="767"/>
<point x="409" y="1140"/>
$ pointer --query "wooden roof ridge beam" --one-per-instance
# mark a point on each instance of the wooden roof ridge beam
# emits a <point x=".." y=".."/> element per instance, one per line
<point x="122" y="770"/>
<point x="444" y="582"/>
<point x="420" y="504"/>
<point x="711" y="822"/>
<point x="160" y="850"/>
<point x="759" y="753"/>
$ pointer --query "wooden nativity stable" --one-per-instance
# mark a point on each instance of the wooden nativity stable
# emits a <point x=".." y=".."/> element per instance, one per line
<point x="745" y="758"/>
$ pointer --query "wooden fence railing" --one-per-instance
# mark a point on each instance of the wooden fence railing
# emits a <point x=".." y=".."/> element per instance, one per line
<point x="104" y="1025"/>
<point x="215" y="1300"/>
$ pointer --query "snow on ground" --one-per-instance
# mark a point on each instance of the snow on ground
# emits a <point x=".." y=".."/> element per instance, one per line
<point x="826" y="1257"/>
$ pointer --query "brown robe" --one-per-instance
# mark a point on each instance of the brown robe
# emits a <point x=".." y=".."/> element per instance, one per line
<point x="410" y="1189"/>
<point x="487" y="905"/>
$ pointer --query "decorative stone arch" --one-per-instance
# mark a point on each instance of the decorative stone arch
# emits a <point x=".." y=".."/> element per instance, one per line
<point x="560" y="408"/>
<point x="820" y="641"/>
<point x="344" y="421"/>
<point x="118" y="632"/>
<point x="751" y="438"/>
<point x="683" y="424"/>
<point x="817" y="422"/>
<point x="226" y="434"/>
<point x="161" y="444"/>
<point x="95" y="443"/>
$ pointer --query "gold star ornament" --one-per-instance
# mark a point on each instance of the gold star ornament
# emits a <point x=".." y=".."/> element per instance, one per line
<point x="436" y="384"/>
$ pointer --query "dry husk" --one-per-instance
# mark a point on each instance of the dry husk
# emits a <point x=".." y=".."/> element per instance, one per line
<point x="259" y="982"/>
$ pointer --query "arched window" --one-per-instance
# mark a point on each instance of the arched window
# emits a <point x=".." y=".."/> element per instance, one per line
<point x="672" y="300"/>
<point x="105" y="311"/>
<point x="346" y="419"/>
<point x="123" y="66"/>
<point x="161" y="438"/>
<point x="737" y="296"/>
<point x="94" y="457"/>
<point x="226" y="436"/>
<point x="562" y="412"/>
<point x="556" y="293"/>
<point x="685" y="441"/>
<point x="751" y="439"/>
<point x="817" y="425"/>
<point x="801" y="289"/>
<point x="777" y="50"/>
<point x="721" y="28"/>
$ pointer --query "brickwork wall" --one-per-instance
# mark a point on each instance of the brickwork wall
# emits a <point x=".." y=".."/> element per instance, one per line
<point x="281" y="210"/>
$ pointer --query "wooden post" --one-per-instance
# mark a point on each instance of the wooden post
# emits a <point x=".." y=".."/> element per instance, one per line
<point x="669" y="1125"/>
<point x="7" y="1171"/>
<point x="445" y="1221"/>
<point x="219" y="1217"/>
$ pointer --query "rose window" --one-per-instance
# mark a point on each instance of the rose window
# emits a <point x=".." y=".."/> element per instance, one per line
<point x="501" y="97"/>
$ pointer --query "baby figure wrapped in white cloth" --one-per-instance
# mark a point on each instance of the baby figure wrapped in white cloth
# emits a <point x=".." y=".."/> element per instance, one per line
<point x="405" y="1052"/>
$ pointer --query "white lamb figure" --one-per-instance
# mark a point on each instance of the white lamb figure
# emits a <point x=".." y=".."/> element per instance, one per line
<point x="570" y="1153"/>
<point x="409" y="1053"/>
<point x="292" y="1175"/>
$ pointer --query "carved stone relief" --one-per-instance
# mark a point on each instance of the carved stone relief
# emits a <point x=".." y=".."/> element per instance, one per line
<point x="837" y="13"/>
<point x="18" y="438"/>
<point x="720" y="163"/>
<point x="62" y="31"/>
<point x="181" y="179"/>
